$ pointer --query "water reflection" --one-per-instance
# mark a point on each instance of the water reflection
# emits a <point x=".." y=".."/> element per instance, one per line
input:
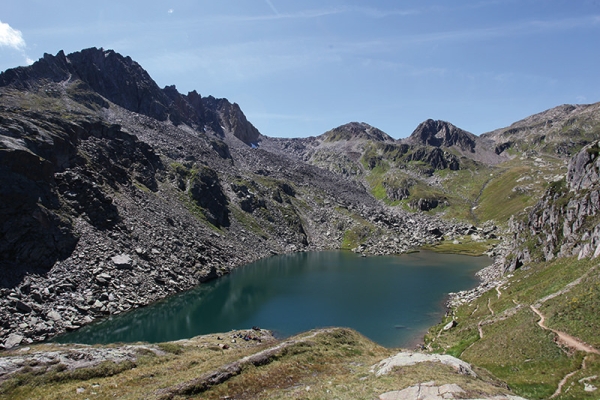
<point x="389" y="299"/>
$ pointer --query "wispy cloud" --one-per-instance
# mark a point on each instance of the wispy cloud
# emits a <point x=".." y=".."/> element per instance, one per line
<point x="10" y="37"/>
<point x="272" y="7"/>
<point x="379" y="13"/>
<point x="322" y="12"/>
<point x="13" y="39"/>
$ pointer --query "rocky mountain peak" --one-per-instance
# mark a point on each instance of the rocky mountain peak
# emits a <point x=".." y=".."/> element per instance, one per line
<point x="442" y="134"/>
<point x="125" y="83"/>
<point x="356" y="131"/>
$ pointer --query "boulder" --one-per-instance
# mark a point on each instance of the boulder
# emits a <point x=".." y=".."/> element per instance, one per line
<point x="13" y="340"/>
<point x="122" y="261"/>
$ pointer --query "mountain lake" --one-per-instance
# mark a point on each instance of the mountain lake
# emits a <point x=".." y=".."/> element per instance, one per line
<point x="390" y="299"/>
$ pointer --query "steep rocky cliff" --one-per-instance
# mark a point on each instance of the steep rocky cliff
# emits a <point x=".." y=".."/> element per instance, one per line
<point x="565" y="222"/>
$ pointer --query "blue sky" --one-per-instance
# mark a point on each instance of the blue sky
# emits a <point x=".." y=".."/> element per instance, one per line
<point x="300" y="68"/>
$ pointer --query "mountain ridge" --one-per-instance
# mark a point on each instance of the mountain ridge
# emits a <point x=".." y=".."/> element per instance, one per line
<point x="125" y="83"/>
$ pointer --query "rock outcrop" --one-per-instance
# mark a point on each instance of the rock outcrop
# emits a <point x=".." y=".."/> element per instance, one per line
<point x="443" y="135"/>
<point x="565" y="221"/>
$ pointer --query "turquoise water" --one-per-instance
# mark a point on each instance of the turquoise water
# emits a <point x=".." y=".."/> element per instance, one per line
<point x="392" y="300"/>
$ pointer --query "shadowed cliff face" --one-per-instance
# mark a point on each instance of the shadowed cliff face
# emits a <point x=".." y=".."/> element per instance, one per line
<point x="33" y="234"/>
<point x="52" y="172"/>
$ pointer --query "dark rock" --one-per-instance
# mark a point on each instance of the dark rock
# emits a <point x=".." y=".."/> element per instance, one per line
<point x="424" y="204"/>
<point x="23" y="307"/>
<point x="502" y="147"/>
<point x="441" y="133"/>
<point x="207" y="192"/>
<point x="436" y="157"/>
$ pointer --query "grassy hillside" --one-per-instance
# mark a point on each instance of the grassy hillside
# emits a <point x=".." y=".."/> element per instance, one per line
<point x="499" y="331"/>
<point x="331" y="363"/>
<point x="477" y="193"/>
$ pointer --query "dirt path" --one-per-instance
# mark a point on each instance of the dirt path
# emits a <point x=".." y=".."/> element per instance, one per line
<point x="490" y="307"/>
<point x="480" y="330"/>
<point x="566" y="378"/>
<point x="565" y="338"/>
<point x="569" y="341"/>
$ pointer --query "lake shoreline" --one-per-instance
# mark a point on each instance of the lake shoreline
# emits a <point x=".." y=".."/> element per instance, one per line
<point x="312" y="292"/>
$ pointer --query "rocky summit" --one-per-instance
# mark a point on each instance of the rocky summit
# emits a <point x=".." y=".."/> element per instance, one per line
<point x="115" y="193"/>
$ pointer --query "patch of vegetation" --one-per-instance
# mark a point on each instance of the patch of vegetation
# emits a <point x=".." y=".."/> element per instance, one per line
<point x="30" y="378"/>
<point x="168" y="347"/>
<point x="373" y="161"/>
<point x="465" y="246"/>
<point x="249" y="222"/>
<point x="141" y="186"/>
<point x="356" y="236"/>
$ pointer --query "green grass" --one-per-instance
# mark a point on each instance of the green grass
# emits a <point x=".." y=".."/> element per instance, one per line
<point x="514" y="186"/>
<point x="578" y="312"/>
<point x="356" y="235"/>
<point x="498" y="200"/>
<point x="334" y="363"/>
<point x="248" y="221"/>
<point x="466" y="246"/>
<point x="524" y="355"/>
<point x="514" y="348"/>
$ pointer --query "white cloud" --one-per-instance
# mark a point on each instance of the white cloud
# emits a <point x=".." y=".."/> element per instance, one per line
<point x="171" y="11"/>
<point x="10" y="37"/>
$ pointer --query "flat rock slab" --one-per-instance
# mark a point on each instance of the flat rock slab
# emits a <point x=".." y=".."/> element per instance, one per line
<point x="428" y="391"/>
<point x="403" y="359"/>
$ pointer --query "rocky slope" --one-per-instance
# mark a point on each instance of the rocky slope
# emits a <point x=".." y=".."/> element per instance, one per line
<point x="561" y="131"/>
<point x="565" y="221"/>
<point x="116" y="193"/>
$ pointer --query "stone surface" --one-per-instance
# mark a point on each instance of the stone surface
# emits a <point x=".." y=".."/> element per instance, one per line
<point x="408" y="358"/>
<point x="122" y="261"/>
<point x="14" y="339"/>
<point x="429" y="391"/>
